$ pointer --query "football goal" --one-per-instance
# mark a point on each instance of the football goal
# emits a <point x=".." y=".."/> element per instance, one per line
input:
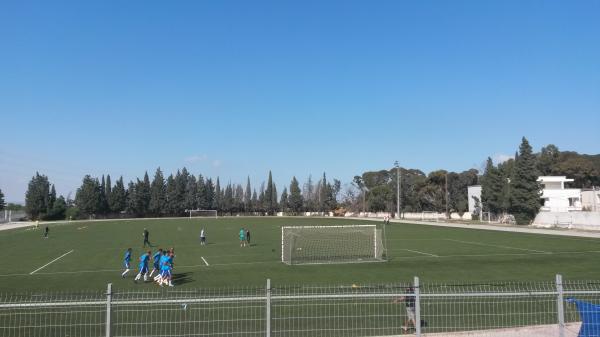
<point x="331" y="244"/>
<point x="202" y="213"/>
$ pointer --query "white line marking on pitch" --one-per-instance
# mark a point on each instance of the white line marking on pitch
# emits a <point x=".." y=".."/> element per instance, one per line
<point x="499" y="246"/>
<point x="418" y="252"/>
<point x="47" y="264"/>
<point x="203" y="259"/>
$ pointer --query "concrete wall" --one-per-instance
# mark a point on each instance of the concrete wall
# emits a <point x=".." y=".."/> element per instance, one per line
<point x="574" y="220"/>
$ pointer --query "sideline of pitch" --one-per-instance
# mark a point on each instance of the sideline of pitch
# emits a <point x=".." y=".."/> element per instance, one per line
<point x="499" y="228"/>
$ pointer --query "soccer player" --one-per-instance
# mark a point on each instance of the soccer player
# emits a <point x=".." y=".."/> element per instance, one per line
<point x="126" y="261"/>
<point x="242" y="238"/>
<point x="46" y="232"/>
<point x="156" y="261"/>
<point x="161" y="261"/>
<point x="202" y="237"/>
<point x="146" y="234"/>
<point x="166" y="268"/>
<point x="248" y="237"/>
<point x="143" y="267"/>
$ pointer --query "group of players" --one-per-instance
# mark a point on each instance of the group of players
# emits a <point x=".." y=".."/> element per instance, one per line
<point x="162" y="264"/>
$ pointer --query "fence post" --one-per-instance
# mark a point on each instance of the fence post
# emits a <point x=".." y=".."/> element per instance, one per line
<point x="417" y="307"/>
<point x="560" y="306"/>
<point x="108" y="300"/>
<point x="268" y="315"/>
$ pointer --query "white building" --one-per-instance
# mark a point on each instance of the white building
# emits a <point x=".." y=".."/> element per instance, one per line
<point x="556" y="197"/>
<point x="590" y="200"/>
<point x="473" y="191"/>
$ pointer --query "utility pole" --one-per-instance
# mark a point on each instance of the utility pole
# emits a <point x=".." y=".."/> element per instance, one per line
<point x="398" y="199"/>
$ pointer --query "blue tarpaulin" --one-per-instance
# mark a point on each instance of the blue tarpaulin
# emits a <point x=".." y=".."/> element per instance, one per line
<point x="590" y="317"/>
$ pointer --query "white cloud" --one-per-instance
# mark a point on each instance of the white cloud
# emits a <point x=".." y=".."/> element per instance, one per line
<point x="501" y="158"/>
<point x="193" y="159"/>
<point x="216" y="163"/>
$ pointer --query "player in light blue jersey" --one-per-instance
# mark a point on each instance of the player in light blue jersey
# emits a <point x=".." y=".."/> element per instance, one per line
<point x="143" y="266"/>
<point x="156" y="261"/>
<point x="161" y="262"/>
<point x="126" y="261"/>
<point x="166" y="269"/>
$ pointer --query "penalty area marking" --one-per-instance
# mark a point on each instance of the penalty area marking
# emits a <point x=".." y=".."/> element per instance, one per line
<point x="47" y="264"/>
<point x="499" y="246"/>
<point x="203" y="259"/>
<point x="423" y="253"/>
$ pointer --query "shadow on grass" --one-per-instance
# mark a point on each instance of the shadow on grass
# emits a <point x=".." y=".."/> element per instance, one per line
<point x="182" y="278"/>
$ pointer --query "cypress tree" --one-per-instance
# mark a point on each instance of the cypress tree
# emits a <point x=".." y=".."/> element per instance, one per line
<point x="118" y="197"/>
<point x="295" y="202"/>
<point x="191" y="193"/>
<point x="2" y="202"/>
<point x="52" y="197"/>
<point x="201" y="193"/>
<point x="88" y="196"/>
<point x="171" y="195"/>
<point x="248" y="197"/>
<point x="274" y="202"/>
<point x="131" y="202"/>
<point x="108" y="192"/>
<point x="217" y="197"/>
<point x="210" y="194"/>
<point x="268" y="196"/>
<point x="283" y="201"/>
<point x="491" y="188"/>
<point x="157" y="205"/>
<point x="36" y="197"/>
<point x="254" y="203"/>
<point x="142" y="190"/>
<point x="525" y="189"/>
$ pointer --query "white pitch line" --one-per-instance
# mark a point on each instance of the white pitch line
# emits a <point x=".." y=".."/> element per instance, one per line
<point x="203" y="259"/>
<point x="499" y="246"/>
<point x="47" y="264"/>
<point x="418" y="252"/>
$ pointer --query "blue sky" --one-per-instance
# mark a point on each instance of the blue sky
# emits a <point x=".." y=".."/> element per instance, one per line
<point x="232" y="89"/>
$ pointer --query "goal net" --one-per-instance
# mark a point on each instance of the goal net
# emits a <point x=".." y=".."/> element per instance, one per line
<point x="202" y="213"/>
<point x="331" y="244"/>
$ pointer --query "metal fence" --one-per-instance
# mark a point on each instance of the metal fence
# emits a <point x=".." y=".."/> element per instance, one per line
<point x="451" y="309"/>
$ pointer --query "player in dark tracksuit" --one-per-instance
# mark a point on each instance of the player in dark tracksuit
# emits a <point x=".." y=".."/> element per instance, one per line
<point x="146" y="235"/>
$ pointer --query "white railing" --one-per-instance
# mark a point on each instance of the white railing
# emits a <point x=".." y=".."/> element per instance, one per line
<point x="484" y="309"/>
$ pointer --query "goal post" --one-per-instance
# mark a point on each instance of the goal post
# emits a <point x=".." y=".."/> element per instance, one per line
<point x="331" y="244"/>
<point x="202" y="213"/>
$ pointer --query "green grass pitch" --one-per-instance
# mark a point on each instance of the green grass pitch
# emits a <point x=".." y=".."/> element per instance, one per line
<point x="435" y="254"/>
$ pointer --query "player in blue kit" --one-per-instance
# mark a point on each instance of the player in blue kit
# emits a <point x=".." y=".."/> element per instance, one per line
<point x="126" y="261"/>
<point x="161" y="262"/>
<point x="143" y="266"/>
<point x="156" y="262"/>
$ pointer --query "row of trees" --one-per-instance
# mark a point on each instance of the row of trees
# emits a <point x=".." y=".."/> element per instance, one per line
<point x="41" y="201"/>
<point x="173" y="195"/>
<point x="509" y="187"/>
<point x="512" y="186"/>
